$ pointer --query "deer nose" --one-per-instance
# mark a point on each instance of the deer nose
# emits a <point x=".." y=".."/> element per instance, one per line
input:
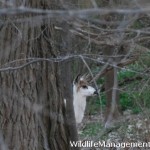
<point x="96" y="92"/>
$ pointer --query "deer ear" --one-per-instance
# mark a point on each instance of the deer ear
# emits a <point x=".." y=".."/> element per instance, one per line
<point x="77" y="78"/>
<point x="87" y="77"/>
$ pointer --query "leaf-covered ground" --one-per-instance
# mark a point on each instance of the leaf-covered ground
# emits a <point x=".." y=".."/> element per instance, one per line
<point x="130" y="128"/>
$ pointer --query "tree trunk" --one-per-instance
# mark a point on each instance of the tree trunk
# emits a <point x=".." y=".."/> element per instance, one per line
<point x="112" y="92"/>
<point x="112" y="98"/>
<point x="31" y="110"/>
<point x="70" y="116"/>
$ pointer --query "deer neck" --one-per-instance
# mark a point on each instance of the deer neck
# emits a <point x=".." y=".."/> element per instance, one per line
<point x="79" y="103"/>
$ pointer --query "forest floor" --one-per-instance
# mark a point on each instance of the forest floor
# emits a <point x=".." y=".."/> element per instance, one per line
<point x="130" y="128"/>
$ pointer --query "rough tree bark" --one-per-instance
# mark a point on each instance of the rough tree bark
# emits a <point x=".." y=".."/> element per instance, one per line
<point x="31" y="108"/>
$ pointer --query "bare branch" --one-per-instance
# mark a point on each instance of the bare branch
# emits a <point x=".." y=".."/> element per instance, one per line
<point x="71" y="13"/>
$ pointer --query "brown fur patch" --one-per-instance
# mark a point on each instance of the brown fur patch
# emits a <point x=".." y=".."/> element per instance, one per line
<point x="81" y="83"/>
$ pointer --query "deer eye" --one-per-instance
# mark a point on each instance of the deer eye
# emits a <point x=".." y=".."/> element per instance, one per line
<point x="84" y="87"/>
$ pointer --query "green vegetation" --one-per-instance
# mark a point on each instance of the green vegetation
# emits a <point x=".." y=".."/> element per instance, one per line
<point x="125" y="74"/>
<point x="95" y="105"/>
<point x="127" y="102"/>
<point x="131" y="98"/>
<point x="143" y="98"/>
<point x="91" y="129"/>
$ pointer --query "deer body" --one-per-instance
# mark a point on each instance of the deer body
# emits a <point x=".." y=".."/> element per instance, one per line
<point x="81" y="90"/>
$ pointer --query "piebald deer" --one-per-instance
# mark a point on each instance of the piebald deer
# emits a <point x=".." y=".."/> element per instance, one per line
<point x="81" y="90"/>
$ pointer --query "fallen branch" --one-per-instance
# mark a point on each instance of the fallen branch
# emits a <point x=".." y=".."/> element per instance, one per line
<point x="125" y="81"/>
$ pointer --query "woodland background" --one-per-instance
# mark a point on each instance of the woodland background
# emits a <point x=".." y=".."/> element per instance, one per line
<point x="45" y="44"/>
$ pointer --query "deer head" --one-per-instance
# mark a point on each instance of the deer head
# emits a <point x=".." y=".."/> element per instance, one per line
<point x="81" y="86"/>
